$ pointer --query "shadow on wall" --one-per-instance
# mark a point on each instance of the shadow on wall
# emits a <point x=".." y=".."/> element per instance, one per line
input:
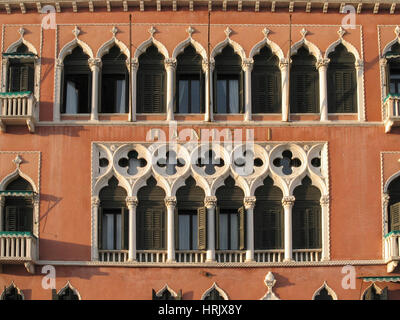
<point x="64" y="251"/>
<point x="48" y="203"/>
<point x="71" y="131"/>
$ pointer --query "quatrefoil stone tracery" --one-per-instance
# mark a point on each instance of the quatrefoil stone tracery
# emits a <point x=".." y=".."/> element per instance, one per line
<point x="170" y="162"/>
<point x="209" y="161"/>
<point x="132" y="162"/>
<point x="287" y="162"/>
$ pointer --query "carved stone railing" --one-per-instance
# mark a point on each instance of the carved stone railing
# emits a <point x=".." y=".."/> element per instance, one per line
<point x="391" y="107"/>
<point x="17" y="108"/>
<point x="230" y="256"/>
<point x="392" y="250"/>
<point x="17" y="247"/>
<point x="190" y="256"/>
<point x="113" y="255"/>
<point x="307" y="255"/>
<point x="269" y="255"/>
<point x="151" y="256"/>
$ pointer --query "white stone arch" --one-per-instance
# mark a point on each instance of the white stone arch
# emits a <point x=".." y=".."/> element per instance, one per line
<point x="68" y="285"/>
<point x="373" y="285"/>
<point x="390" y="180"/>
<point x="350" y="48"/>
<point x="12" y="285"/>
<point x="13" y="47"/>
<point x="103" y="182"/>
<point x="312" y="48"/>
<point x="180" y="182"/>
<point x="160" y="182"/>
<point x="220" y="182"/>
<point x="242" y="184"/>
<point x="315" y="181"/>
<point x="389" y="45"/>
<point x="67" y="49"/>
<point x="329" y="289"/>
<point x="185" y="43"/>
<point x="237" y="48"/>
<point x="278" y="182"/>
<point x="220" y="291"/>
<point x="144" y="45"/>
<point x="202" y="183"/>
<point x="105" y="48"/>
<point x="14" y="175"/>
<point x="275" y="48"/>
<point x="167" y="288"/>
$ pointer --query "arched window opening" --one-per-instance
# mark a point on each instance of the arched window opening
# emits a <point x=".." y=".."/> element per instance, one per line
<point x="113" y="219"/>
<point x="114" y="82"/>
<point x="151" y="217"/>
<point x="342" y="81"/>
<point x="393" y="69"/>
<point x="230" y="217"/>
<point x="394" y="205"/>
<point x="214" y="293"/>
<point x="11" y="293"/>
<point x="189" y="82"/>
<point x="77" y="85"/>
<point x="266" y="82"/>
<point x="67" y="293"/>
<point x="21" y="70"/>
<point x="151" y="82"/>
<point x="304" y="85"/>
<point x="268" y="217"/>
<point x="18" y="207"/>
<point x="375" y="293"/>
<point x="307" y="216"/>
<point x="228" y="82"/>
<point x="190" y="217"/>
<point x="166" y="294"/>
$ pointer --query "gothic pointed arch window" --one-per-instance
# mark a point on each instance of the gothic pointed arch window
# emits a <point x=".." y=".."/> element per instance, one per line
<point x="113" y="218"/>
<point x="373" y="292"/>
<point x="190" y="217"/>
<point x="394" y="205"/>
<point x="230" y="217"/>
<point x="304" y="85"/>
<point x="166" y="293"/>
<point x="214" y="293"/>
<point x="393" y="69"/>
<point x="268" y="217"/>
<point x="266" y="82"/>
<point x="306" y="214"/>
<point x="77" y="83"/>
<point x="114" y="82"/>
<point x="18" y="206"/>
<point x="66" y="293"/>
<point x="228" y="82"/>
<point x="342" y="81"/>
<point x="325" y="293"/>
<point x="21" y="70"/>
<point x="189" y="82"/>
<point x="151" y="217"/>
<point x="11" y="293"/>
<point x="151" y="97"/>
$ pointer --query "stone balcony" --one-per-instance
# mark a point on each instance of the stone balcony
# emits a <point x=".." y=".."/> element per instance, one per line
<point x="391" y="106"/>
<point x="392" y="250"/>
<point x="18" y="108"/>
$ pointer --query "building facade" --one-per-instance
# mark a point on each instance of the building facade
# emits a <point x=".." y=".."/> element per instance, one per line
<point x="170" y="157"/>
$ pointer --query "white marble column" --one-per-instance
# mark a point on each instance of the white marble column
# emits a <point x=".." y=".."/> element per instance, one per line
<point x="210" y="202"/>
<point x="95" y="228"/>
<point x="284" y="67"/>
<point x="360" y="92"/>
<point x="131" y="203"/>
<point x="385" y="204"/>
<point x="57" y="104"/>
<point x="170" y="203"/>
<point x="322" y="66"/>
<point x="247" y="66"/>
<point x="134" y="69"/>
<point x="95" y="65"/>
<point x="288" y="202"/>
<point x="170" y="66"/>
<point x="249" y="204"/>
<point x="36" y="205"/>
<point x="208" y="105"/>
<point x="2" y="213"/>
<point x="5" y="63"/>
<point x="324" y="201"/>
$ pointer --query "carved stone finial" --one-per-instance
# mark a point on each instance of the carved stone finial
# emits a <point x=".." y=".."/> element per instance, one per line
<point x="190" y="31"/>
<point x="270" y="282"/>
<point x="17" y="161"/>
<point x="397" y="31"/>
<point x="21" y="31"/>
<point x="265" y="32"/>
<point x="341" y="32"/>
<point x="152" y="31"/>
<point x="76" y="32"/>
<point x="228" y="32"/>
<point x="303" y="32"/>
<point x="114" y="31"/>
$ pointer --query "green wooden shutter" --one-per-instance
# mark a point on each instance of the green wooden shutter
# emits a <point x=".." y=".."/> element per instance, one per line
<point x="100" y="227"/>
<point x="217" y="228"/>
<point x="14" y="78"/>
<point x="27" y="78"/>
<point x="24" y="218"/>
<point x="242" y="228"/>
<point x="395" y="217"/>
<point x="299" y="222"/>
<point x="202" y="228"/>
<point x="148" y="229"/>
<point x="259" y="94"/>
<point x="11" y="218"/>
<point x="158" y="229"/>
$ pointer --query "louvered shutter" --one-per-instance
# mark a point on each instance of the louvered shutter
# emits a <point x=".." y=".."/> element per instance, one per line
<point x="217" y="228"/>
<point x="27" y="78"/>
<point x="14" y="78"/>
<point x="202" y="228"/>
<point x="259" y="93"/>
<point x="158" y="229"/>
<point x="395" y="217"/>
<point x="148" y="229"/>
<point x="299" y="222"/>
<point x="24" y="219"/>
<point x="11" y="218"/>
<point x="242" y="228"/>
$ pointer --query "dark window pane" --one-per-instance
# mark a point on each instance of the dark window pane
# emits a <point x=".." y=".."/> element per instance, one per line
<point x="76" y="94"/>
<point x="233" y="96"/>
<point x="221" y="96"/>
<point x="184" y="96"/>
<point x="184" y="232"/>
<point x="195" y="96"/>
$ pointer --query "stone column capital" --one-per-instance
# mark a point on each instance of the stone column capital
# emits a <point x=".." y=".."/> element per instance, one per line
<point x="131" y="201"/>
<point x="247" y="64"/>
<point x="206" y="63"/>
<point x="95" y="201"/>
<point x="283" y="64"/>
<point x="94" y="63"/>
<point x="383" y="62"/>
<point x="324" y="201"/>
<point x="170" y="63"/>
<point x="360" y="64"/>
<point x="288" y="201"/>
<point x="249" y="202"/>
<point x="210" y="202"/>
<point x="322" y="63"/>
<point x="385" y="199"/>
<point x="2" y="201"/>
<point x="36" y="199"/>
<point x="170" y="202"/>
